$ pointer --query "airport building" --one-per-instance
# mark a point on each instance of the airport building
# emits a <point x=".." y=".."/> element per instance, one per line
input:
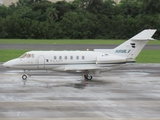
<point x="1" y="2"/>
<point x="117" y="1"/>
<point x="8" y="2"/>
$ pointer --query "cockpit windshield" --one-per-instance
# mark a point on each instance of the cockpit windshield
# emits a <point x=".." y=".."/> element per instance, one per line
<point x="23" y="56"/>
<point x="27" y="55"/>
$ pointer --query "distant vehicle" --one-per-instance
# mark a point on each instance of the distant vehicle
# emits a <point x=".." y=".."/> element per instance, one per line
<point x="87" y="63"/>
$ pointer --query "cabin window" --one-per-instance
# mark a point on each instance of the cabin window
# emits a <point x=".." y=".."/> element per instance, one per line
<point x="60" y="57"/>
<point x="55" y="57"/>
<point x="71" y="57"/>
<point x="32" y="55"/>
<point x="77" y="57"/>
<point x="83" y="57"/>
<point x="65" y="57"/>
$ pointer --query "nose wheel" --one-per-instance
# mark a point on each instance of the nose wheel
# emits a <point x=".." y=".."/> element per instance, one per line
<point x="24" y="78"/>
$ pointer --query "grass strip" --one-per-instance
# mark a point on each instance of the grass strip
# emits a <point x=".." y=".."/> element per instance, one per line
<point x="146" y="56"/>
<point x="149" y="56"/>
<point x="66" y="41"/>
<point x="6" y="55"/>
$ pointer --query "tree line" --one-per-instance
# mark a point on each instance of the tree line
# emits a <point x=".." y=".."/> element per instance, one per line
<point x="80" y="19"/>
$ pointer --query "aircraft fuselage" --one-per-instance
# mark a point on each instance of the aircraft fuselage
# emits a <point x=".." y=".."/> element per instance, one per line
<point x="63" y="60"/>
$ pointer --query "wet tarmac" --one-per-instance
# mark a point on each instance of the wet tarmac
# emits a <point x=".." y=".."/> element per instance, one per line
<point x="132" y="92"/>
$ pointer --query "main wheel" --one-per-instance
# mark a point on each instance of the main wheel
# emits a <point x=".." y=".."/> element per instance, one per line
<point x="88" y="77"/>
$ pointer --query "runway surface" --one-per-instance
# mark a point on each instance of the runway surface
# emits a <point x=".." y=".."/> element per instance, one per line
<point x="132" y="92"/>
<point x="66" y="46"/>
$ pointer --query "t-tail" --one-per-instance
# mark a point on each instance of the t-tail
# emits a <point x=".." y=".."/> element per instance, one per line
<point x="132" y="47"/>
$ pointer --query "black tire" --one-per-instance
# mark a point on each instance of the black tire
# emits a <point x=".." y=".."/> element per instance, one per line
<point x="88" y="77"/>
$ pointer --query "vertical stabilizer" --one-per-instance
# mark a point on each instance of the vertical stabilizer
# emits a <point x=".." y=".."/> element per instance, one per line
<point x="132" y="47"/>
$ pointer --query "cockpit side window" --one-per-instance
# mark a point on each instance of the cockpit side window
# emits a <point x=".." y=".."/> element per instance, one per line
<point x="28" y="55"/>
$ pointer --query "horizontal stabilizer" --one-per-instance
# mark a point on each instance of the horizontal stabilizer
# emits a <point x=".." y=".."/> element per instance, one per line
<point x="144" y="35"/>
<point x="144" y="39"/>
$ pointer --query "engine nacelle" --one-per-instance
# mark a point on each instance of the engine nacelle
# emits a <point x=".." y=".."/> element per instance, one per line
<point x="110" y="59"/>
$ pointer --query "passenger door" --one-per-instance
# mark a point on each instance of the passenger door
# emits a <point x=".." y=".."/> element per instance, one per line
<point x="41" y="62"/>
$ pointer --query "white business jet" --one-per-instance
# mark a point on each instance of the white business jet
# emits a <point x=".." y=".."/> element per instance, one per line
<point x="87" y="63"/>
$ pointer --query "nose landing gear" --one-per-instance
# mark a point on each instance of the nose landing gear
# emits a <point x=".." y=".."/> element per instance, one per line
<point x="24" y="78"/>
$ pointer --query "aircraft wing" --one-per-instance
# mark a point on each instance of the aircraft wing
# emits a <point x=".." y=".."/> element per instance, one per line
<point x="81" y="69"/>
<point x="90" y="68"/>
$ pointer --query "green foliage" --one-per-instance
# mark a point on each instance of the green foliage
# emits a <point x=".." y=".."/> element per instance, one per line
<point x="150" y="7"/>
<point x="72" y="26"/>
<point x="80" y="19"/>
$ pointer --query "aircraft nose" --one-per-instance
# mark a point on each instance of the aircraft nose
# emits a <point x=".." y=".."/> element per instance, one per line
<point x="6" y="64"/>
<point x="11" y="63"/>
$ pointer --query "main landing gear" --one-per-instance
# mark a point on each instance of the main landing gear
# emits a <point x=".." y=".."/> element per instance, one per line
<point x="87" y="77"/>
